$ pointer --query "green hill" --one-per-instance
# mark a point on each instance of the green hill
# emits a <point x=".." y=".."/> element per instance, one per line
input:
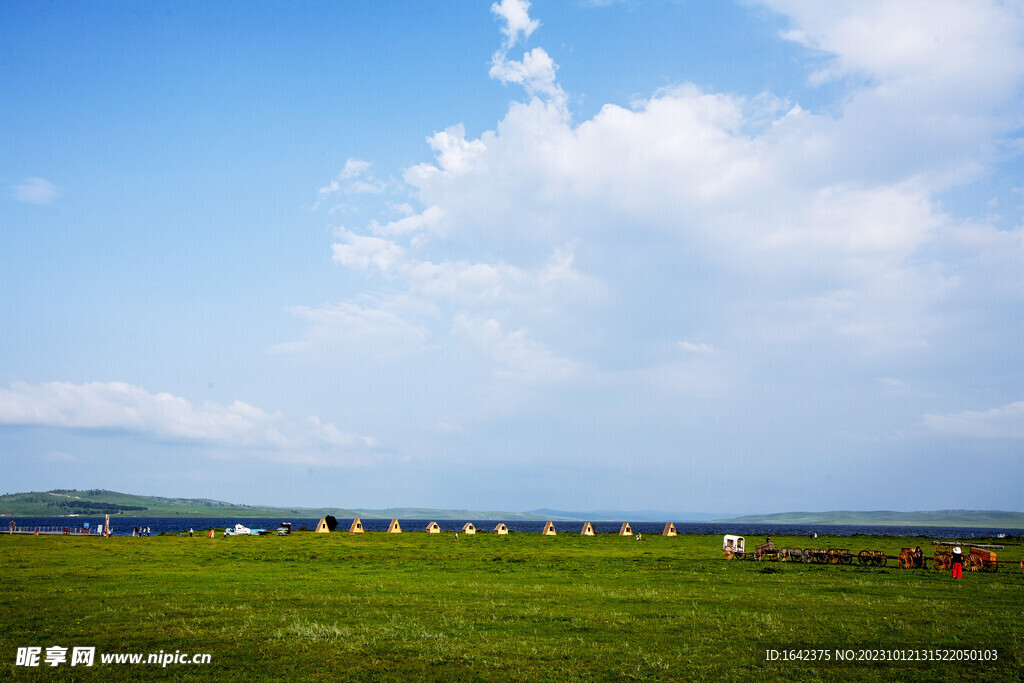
<point x="61" y="502"/>
<point x="951" y="518"/>
<point x="99" y="502"/>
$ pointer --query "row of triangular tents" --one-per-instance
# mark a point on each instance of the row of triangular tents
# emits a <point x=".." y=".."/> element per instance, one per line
<point x="502" y="529"/>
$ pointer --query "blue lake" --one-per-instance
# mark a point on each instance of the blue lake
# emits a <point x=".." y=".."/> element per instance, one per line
<point x="122" y="526"/>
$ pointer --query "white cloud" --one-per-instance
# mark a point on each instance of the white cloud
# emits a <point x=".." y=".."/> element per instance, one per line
<point x="698" y="347"/>
<point x="35" y="191"/>
<point x="516" y="15"/>
<point x="122" y="406"/>
<point x="1004" y="422"/>
<point x="769" y="227"/>
<point x="536" y="71"/>
<point x="519" y="357"/>
<point x="354" y="168"/>
<point x="376" y="333"/>
<point x="362" y="251"/>
<point x="350" y="179"/>
<point x="428" y="220"/>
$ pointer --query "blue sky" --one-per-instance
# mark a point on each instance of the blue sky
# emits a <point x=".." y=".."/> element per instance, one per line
<point x="721" y="257"/>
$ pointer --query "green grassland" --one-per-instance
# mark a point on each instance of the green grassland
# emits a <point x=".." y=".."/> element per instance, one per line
<point x="522" y="607"/>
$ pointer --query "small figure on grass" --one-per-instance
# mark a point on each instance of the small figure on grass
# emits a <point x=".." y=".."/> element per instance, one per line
<point x="957" y="565"/>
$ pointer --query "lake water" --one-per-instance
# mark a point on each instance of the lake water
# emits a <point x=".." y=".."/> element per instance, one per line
<point x="122" y="526"/>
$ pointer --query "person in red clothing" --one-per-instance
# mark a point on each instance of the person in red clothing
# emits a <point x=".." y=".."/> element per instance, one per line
<point x="958" y="563"/>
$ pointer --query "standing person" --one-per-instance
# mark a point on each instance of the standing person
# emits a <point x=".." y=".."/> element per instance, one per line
<point x="190" y="532"/>
<point x="957" y="565"/>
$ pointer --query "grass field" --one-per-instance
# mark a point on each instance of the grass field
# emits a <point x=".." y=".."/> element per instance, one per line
<point x="518" y="608"/>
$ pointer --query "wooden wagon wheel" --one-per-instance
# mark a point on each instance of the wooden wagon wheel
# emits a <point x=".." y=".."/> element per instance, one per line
<point x="808" y="556"/>
<point x="782" y="555"/>
<point x="906" y="560"/>
<point x="833" y="556"/>
<point x="846" y="557"/>
<point x="741" y="555"/>
<point x="974" y="564"/>
<point x="796" y="554"/>
<point x="941" y="561"/>
<point x="881" y="559"/>
<point x="728" y="554"/>
<point x="864" y="557"/>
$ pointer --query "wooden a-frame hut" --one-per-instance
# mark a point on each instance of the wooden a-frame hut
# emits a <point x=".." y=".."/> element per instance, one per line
<point x="549" y="529"/>
<point x="321" y="526"/>
<point x="468" y="529"/>
<point x="357" y="527"/>
<point x="588" y="529"/>
<point x="626" y="530"/>
<point x="501" y="529"/>
<point x="394" y="527"/>
<point x="670" y="529"/>
<point x="433" y="528"/>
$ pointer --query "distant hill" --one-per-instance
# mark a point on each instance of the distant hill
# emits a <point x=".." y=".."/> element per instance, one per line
<point x="60" y="502"/>
<point x="625" y="516"/>
<point x="951" y="518"/>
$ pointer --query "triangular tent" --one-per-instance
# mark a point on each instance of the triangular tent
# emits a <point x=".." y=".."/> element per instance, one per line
<point x="501" y="529"/>
<point x="549" y="529"/>
<point x="433" y="528"/>
<point x="468" y="528"/>
<point x="321" y="526"/>
<point x="357" y="527"/>
<point x="588" y="529"/>
<point x="394" y="527"/>
<point x="670" y="529"/>
<point x="626" y="530"/>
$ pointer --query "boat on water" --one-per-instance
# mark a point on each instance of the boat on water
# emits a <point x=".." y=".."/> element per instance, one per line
<point x="240" y="530"/>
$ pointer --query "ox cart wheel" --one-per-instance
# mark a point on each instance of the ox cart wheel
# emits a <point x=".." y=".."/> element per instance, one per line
<point x="741" y="555"/>
<point x="973" y="563"/>
<point x="796" y="554"/>
<point x="941" y="561"/>
<point x="865" y="558"/>
<point x="809" y="557"/>
<point x="728" y="554"/>
<point x="881" y="560"/>
<point x="906" y="560"/>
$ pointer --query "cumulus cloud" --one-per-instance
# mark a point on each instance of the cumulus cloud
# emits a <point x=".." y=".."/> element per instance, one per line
<point x="163" y="416"/>
<point x="1003" y="422"/>
<point x="516" y="15"/>
<point x="35" y="191"/>
<point x="536" y="71"/>
<point x="747" y="219"/>
<point x="362" y="251"/>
